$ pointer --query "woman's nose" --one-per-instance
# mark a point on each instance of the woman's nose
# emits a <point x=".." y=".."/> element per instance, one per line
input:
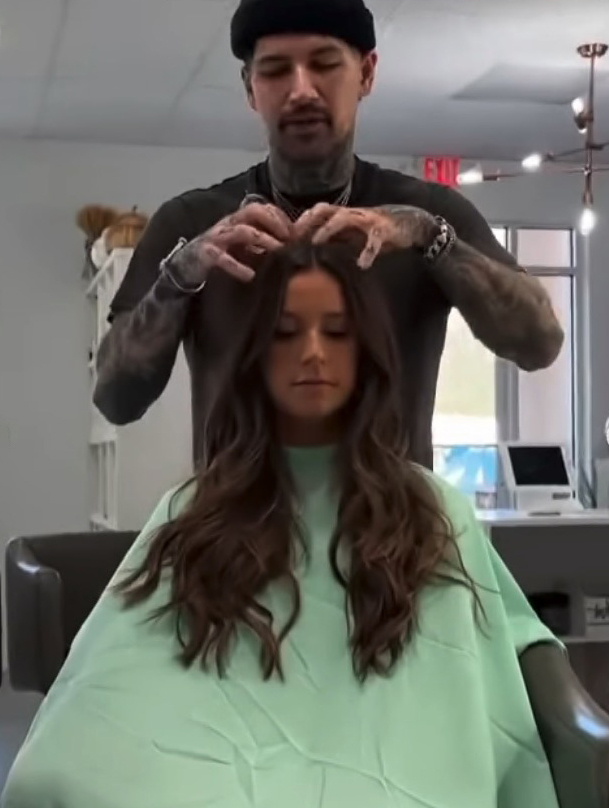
<point x="313" y="347"/>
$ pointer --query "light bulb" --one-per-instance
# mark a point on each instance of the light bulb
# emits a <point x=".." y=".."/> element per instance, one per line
<point x="472" y="176"/>
<point x="587" y="221"/>
<point x="580" y="114"/>
<point x="578" y="105"/>
<point x="532" y="161"/>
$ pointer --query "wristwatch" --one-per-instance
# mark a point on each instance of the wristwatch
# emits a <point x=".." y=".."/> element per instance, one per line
<point x="443" y="240"/>
<point x="165" y="269"/>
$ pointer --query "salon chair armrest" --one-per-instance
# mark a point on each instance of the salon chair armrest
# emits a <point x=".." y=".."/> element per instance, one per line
<point x="52" y="584"/>
<point x="573" y="728"/>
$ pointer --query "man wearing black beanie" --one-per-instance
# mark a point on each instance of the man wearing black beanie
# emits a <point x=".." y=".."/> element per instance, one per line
<point x="307" y="65"/>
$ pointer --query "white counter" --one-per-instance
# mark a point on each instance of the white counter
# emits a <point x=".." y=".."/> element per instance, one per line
<point x="508" y="518"/>
<point x="564" y="552"/>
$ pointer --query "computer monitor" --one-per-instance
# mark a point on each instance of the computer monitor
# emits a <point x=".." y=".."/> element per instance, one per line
<point x="538" y="475"/>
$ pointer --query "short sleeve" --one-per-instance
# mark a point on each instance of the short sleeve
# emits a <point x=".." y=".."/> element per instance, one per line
<point x="511" y="609"/>
<point x="171" y="222"/>
<point x="525" y="627"/>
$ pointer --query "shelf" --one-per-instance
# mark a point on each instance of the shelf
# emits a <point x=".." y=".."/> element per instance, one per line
<point x="99" y="523"/>
<point x="102" y="431"/>
<point x="120" y="256"/>
<point x="103" y="436"/>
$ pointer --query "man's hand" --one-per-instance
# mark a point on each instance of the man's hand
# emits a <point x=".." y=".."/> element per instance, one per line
<point x="233" y="244"/>
<point x="392" y="227"/>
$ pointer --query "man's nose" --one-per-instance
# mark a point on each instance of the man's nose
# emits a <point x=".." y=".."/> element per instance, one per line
<point x="303" y="87"/>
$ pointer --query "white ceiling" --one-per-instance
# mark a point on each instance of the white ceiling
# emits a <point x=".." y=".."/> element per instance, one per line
<point x="478" y="78"/>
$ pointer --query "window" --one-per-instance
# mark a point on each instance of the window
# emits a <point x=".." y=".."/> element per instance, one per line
<point x="545" y="401"/>
<point x="545" y="398"/>
<point x="481" y="399"/>
<point x="465" y="417"/>
<point x="544" y="248"/>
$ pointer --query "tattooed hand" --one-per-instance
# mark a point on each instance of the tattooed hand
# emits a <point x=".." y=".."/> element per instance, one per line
<point x="386" y="228"/>
<point x="232" y="243"/>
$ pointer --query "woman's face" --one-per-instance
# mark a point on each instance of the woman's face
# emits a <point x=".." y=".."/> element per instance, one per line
<point x="312" y="365"/>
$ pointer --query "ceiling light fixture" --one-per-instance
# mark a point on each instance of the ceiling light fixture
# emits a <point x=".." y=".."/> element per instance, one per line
<point x="532" y="162"/>
<point x="472" y="176"/>
<point x="583" y="115"/>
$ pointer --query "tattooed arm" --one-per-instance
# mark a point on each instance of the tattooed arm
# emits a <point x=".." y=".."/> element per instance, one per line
<point x="136" y="356"/>
<point x="506" y="309"/>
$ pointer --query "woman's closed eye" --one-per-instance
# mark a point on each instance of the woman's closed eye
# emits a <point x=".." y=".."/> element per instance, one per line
<point x="333" y="327"/>
<point x="337" y="330"/>
<point x="337" y="327"/>
<point x="286" y="328"/>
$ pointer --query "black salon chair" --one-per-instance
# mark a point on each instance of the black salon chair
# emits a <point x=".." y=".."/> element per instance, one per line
<point x="53" y="582"/>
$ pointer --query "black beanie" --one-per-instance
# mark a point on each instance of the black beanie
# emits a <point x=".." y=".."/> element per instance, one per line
<point x="348" y="20"/>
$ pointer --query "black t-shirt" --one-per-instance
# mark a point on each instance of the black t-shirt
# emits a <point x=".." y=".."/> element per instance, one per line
<point x="418" y="306"/>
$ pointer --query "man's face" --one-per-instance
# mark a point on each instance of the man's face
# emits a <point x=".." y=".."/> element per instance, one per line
<point x="307" y="88"/>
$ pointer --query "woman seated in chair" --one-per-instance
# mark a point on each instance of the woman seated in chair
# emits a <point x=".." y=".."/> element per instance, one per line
<point x="313" y="619"/>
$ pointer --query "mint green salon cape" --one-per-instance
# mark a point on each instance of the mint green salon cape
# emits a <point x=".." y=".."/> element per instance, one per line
<point x="125" y="726"/>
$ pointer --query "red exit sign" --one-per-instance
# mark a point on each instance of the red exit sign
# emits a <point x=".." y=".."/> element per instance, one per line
<point x="444" y="170"/>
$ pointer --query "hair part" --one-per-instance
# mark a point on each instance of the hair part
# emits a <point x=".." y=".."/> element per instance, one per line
<point x="240" y="534"/>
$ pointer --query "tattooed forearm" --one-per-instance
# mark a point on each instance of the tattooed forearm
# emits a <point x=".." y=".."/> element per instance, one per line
<point x="415" y="225"/>
<point x="136" y="357"/>
<point x="507" y="309"/>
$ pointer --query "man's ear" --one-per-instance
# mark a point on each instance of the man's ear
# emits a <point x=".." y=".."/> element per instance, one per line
<point x="246" y="78"/>
<point x="368" y="68"/>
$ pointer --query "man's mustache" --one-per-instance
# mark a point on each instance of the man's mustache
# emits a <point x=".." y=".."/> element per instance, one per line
<point x="304" y="115"/>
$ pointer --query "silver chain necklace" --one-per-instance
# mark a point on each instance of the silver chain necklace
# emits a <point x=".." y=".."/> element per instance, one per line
<point x="294" y="212"/>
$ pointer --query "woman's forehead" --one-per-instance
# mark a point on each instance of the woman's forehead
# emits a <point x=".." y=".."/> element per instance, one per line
<point x="314" y="290"/>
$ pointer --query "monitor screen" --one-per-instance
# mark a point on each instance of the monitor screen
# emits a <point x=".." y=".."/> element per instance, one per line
<point x="539" y="465"/>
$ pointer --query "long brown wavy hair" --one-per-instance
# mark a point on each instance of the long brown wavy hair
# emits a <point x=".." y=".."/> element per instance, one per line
<point x="239" y="533"/>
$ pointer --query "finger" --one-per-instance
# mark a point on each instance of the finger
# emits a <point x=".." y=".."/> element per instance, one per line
<point x="216" y="257"/>
<point x="313" y="219"/>
<point x="372" y="249"/>
<point x="248" y="236"/>
<point x="344" y="219"/>
<point x="268" y="218"/>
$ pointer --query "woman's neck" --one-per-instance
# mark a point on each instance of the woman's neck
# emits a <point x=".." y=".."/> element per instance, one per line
<point x="309" y="435"/>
